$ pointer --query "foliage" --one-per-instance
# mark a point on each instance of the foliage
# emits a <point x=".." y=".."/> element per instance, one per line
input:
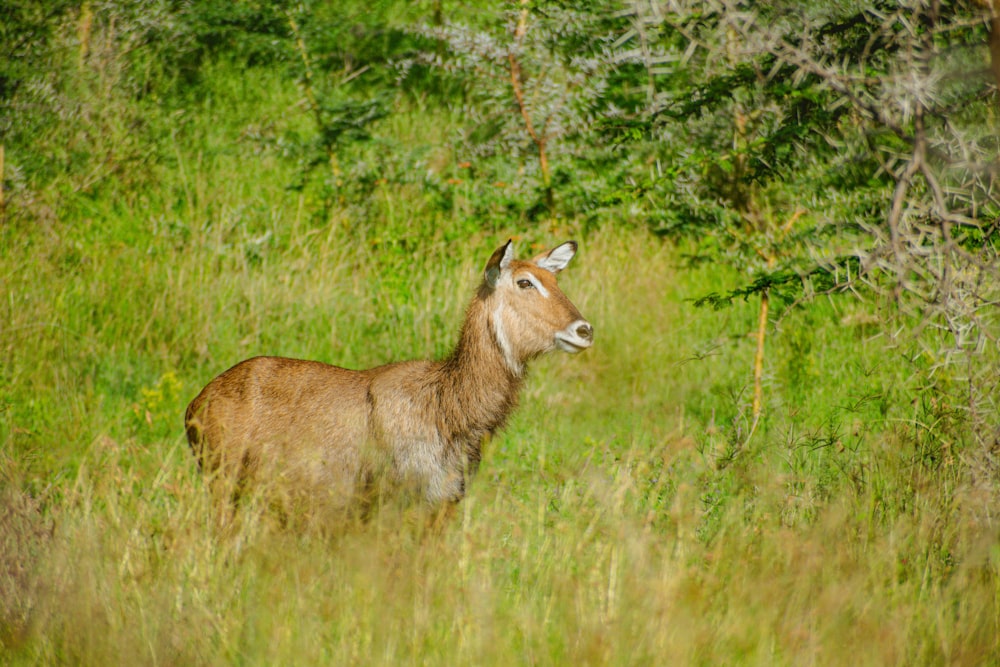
<point x="846" y="141"/>
<point x="534" y="80"/>
<point x="26" y="32"/>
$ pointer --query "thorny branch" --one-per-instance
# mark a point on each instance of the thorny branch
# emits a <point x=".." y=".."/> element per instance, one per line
<point x="934" y="254"/>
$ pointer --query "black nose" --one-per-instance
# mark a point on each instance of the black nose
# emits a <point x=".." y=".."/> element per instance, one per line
<point x="585" y="331"/>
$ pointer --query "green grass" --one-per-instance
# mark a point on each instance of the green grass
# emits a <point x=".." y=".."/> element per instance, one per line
<point x="624" y="516"/>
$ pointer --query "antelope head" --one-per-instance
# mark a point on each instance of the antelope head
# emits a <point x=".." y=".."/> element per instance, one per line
<point x="529" y="314"/>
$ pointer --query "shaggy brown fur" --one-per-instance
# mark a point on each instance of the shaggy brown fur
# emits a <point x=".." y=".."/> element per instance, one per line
<point x="336" y="437"/>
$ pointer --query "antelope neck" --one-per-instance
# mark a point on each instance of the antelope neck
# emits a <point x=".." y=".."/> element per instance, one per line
<point x="477" y="373"/>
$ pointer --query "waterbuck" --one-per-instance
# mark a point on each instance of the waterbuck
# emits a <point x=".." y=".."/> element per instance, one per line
<point x="338" y="438"/>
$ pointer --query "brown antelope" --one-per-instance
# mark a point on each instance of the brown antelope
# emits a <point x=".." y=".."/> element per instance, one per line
<point x="334" y="436"/>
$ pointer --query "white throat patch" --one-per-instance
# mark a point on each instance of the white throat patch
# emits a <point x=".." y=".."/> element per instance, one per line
<point x="501" y="336"/>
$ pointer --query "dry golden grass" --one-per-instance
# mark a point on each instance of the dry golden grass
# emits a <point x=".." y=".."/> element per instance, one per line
<point x="607" y="525"/>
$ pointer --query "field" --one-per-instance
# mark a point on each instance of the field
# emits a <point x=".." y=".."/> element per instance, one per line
<point x="631" y="513"/>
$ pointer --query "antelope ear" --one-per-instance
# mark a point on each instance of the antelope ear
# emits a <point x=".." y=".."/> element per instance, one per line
<point x="498" y="263"/>
<point x="555" y="260"/>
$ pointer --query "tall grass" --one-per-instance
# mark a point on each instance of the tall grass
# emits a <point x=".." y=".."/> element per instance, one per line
<point x="628" y="515"/>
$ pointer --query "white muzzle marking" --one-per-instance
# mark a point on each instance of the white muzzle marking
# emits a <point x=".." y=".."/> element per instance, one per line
<point x="576" y="337"/>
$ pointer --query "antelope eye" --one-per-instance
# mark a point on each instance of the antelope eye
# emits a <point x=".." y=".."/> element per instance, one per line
<point x="525" y="284"/>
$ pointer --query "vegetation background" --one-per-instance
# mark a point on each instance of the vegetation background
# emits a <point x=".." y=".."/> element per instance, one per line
<point x="784" y="447"/>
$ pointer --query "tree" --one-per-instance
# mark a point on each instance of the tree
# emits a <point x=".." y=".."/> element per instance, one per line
<point x="832" y="149"/>
<point x="535" y="82"/>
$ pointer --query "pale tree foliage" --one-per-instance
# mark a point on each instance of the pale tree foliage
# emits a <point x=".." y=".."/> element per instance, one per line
<point x="933" y="252"/>
<point x="902" y="90"/>
<point x="537" y="79"/>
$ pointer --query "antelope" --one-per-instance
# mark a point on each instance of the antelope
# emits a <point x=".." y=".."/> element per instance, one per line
<point x="341" y="438"/>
